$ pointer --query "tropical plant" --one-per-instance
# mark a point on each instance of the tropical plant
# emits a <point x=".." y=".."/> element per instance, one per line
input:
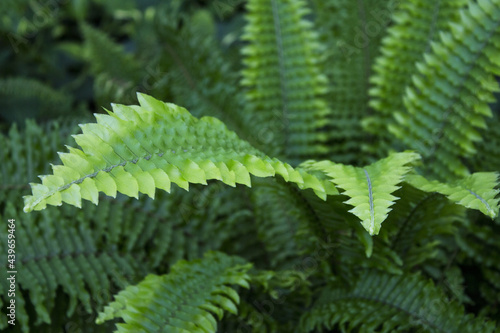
<point x="364" y="133"/>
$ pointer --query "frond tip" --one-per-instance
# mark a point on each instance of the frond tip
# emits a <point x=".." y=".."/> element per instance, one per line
<point x="477" y="191"/>
<point x="188" y="299"/>
<point x="369" y="188"/>
<point x="140" y="148"/>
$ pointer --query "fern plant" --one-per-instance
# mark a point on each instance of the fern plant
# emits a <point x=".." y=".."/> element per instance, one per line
<point x="370" y="199"/>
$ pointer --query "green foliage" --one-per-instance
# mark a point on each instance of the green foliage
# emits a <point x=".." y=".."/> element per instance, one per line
<point x="369" y="188"/>
<point x="116" y="73"/>
<point x="405" y="302"/>
<point x="351" y="44"/>
<point x="476" y="191"/>
<point x="283" y="80"/>
<point x="456" y="75"/>
<point x="417" y="25"/>
<point x="205" y="298"/>
<point x="32" y="99"/>
<point x="118" y="155"/>
<point x="364" y="132"/>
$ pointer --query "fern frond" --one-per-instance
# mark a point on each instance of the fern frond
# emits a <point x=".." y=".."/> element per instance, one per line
<point x="204" y="90"/>
<point x="476" y="191"/>
<point x="447" y="101"/>
<point x="488" y="150"/>
<point x="249" y="319"/>
<point x="107" y="246"/>
<point x="69" y="257"/>
<point x="277" y="216"/>
<point x="418" y="223"/>
<point x="117" y="73"/>
<point x="32" y="98"/>
<point x="386" y="303"/>
<point x="351" y="32"/>
<point x="138" y="149"/>
<point x="336" y="236"/>
<point x="369" y="188"/>
<point x="283" y="79"/>
<point x="417" y="25"/>
<point x="188" y="299"/>
<point x="479" y="242"/>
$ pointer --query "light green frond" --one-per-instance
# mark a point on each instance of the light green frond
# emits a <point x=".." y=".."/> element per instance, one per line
<point x="187" y="300"/>
<point x="380" y="302"/>
<point x="477" y="191"/>
<point x="138" y="149"/>
<point x="283" y="79"/>
<point x="447" y="100"/>
<point x="369" y="188"/>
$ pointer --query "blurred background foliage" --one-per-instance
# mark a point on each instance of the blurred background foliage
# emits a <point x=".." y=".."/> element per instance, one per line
<point x="67" y="58"/>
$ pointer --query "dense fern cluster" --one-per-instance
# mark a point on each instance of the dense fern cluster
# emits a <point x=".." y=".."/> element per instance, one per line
<point x="327" y="166"/>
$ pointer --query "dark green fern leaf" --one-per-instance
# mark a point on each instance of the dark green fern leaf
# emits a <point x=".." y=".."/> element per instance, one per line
<point x="29" y="98"/>
<point x="418" y="223"/>
<point x="447" y="101"/>
<point x="488" y="150"/>
<point x="380" y="302"/>
<point x="351" y="32"/>
<point x="116" y="73"/>
<point x="283" y="79"/>
<point x="417" y="24"/>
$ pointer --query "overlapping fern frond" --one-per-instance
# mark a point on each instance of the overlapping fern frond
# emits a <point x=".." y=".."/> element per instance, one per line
<point x="34" y="99"/>
<point x="446" y="103"/>
<point x="417" y="24"/>
<point x="167" y="302"/>
<point x="477" y="191"/>
<point x="418" y="224"/>
<point x="278" y="216"/>
<point x="383" y="302"/>
<point x="350" y="46"/>
<point x="283" y="79"/>
<point x="116" y="73"/>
